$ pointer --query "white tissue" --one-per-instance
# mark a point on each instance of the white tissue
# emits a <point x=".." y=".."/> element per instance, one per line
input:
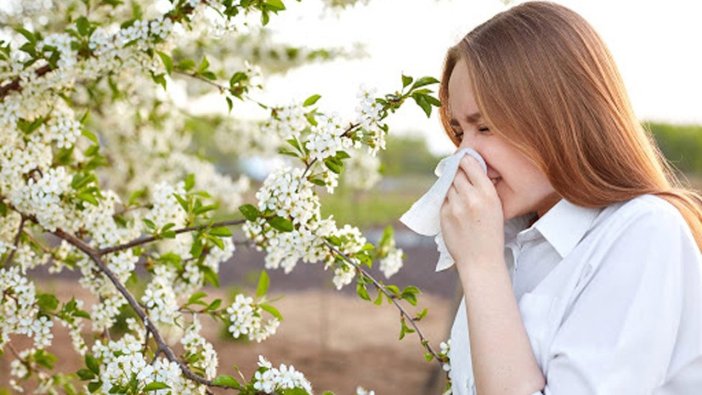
<point x="424" y="215"/>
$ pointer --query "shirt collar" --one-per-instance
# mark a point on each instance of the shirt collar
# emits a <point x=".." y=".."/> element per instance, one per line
<point x="563" y="226"/>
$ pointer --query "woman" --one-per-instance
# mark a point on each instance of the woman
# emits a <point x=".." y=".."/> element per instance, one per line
<point x="579" y="250"/>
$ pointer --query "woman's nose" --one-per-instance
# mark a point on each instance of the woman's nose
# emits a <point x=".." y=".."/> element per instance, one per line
<point x="467" y="141"/>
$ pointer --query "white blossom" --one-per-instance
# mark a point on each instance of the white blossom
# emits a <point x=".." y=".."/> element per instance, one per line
<point x="43" y="197"/>
<point x="271" y="380"/>
<point x="159" y="297"/>
<point x="19" y="313"/>
<point x="246" y="318"/>
<point x="362" y="391"/>
<point x="361" y="170"/>
<point x="392" y="262"/>
<point x="445" y="347"/>
<point x="123" y="359"/>
<point x="195" y="344"/>
<point x="368" y="116"/>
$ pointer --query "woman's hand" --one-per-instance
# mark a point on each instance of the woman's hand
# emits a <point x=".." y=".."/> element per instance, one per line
<point x="472" y="223"/>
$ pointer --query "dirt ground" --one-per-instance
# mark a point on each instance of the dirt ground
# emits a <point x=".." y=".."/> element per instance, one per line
<point x="339" y="341"/>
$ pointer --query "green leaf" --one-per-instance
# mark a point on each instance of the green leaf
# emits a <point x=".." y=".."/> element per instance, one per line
<point x="90" y="135"/>
<point x="271" y="310"/>
<point x="221" y="231"/>
<point x="317" y="181"/>
<point x="421" y="314"/>
<point x="406" y="80"/>
<point x="332" y="165"/>
<point x="210" y="276"/>
<point x="196" y="248"/>
<point x="155" y="385"/>
<point x="186" y="64"/>
<point x="410" y="294"/>
<point x="27" y="34"/>
<point x="196" y="298"/>
<point x="214" y="305"/>
<point x="135" y="196"/>
<point x="189" y="181"/>
<point x="393" y="289"/>
<point x="87" y="197"/>
<point x="83" y="26"/>
<point x="281" y="224"/>
<point x="362" y="291"/>
<point x="311" y="100"/>
<point x="28" y="127"/>
<point x="94" y="386"/>
<point x="209" y="75"/>
<point x="423" y="103"/>
<point x="404" y="329"/>
<point x="149" y="223"/>
<point x="424" y="81"/>
<point x="295" y="144"/>
<point x="183" y="203"/>
<point x="47" y="302"/>
<point x="263" y="282"/>
<point x="203" y="209"/>
<point x="275" y="5"/>
<point x="342" y="155"/>
<point x="311" y="118"/>
<point x="81" y="313"/>
<point x="227" y="381"/>
<point x="167" y="61"/>
<point x="216" y="241"/>
<point x="45" y="359"/>
<point x="85" y="374"/>
<point x="250" y="212"/>
<point x="378" y="299"/>
<point x="92" y="363"/>
<point x="432" y="100"/>
<point x="159" y="79"/>
<point x="285" y="151"/>
<point x="238" y="77"/>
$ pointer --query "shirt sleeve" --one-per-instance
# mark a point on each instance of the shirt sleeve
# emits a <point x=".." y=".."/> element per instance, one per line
<point x="621" y="332"/>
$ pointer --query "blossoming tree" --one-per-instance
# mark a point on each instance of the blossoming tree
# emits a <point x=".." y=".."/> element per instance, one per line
<point x="96" y="177"/>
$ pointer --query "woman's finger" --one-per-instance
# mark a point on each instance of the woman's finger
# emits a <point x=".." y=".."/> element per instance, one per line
<point x="475" y="174"/>
<point x="461" y="182"/>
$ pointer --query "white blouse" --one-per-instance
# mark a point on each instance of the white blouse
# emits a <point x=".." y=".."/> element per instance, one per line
<point x="611" y="299"/>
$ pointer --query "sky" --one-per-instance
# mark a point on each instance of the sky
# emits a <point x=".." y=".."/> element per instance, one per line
<point x="656" y="45"/>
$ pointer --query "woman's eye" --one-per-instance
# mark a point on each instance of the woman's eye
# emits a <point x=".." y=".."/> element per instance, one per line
<point x="484" y="130"/>
<point x="458" y="134"/>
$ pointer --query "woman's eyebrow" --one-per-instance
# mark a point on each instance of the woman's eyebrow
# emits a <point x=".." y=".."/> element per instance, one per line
<point x="471" y="118"/>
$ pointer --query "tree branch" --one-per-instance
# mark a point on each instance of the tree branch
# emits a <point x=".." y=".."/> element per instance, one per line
<point x="162" y="346"/>
<point x="381" y="287"/>
<point x="149" y="239"/>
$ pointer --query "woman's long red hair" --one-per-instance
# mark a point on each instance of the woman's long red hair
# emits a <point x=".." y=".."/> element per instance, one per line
<point x="545" y="80"/>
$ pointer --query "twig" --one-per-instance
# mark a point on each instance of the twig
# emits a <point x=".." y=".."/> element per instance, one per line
<point x="149" y="239"/>
<point x="381" y="287"/>
<point x="221" y="88"/>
